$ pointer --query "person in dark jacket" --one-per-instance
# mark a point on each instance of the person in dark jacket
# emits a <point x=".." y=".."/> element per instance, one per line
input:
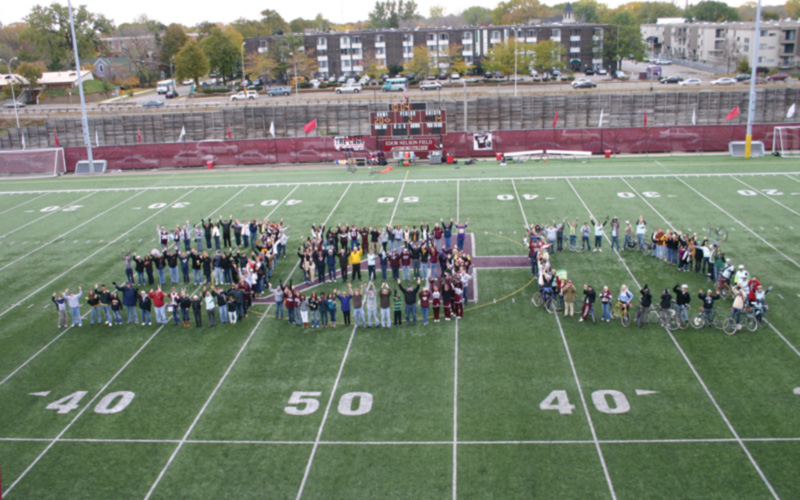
<point x="222" y="304"/>
<point x="172" y="263"/>
<point x="148" y="268"/>
<point x="708" y="299"/>
<point x="138" y="264"/>
<point x="410" y="297"/>
<point x="184" y="259"/>
<point x="682" y="299"/>
<point x="146" y="305"/>
<point x="645" y="301"/>
<point x="344" y="259"/>
<point x="185" y="303"/>
<point x="589" y="296"/>
<point x="197" y="309"/>
<point x="129" y="300"/>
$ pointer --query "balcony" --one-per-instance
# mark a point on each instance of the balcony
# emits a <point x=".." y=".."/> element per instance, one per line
<point x="575" y="38"/>
<point x="380" y="44"/>
<point x="574" y="50"/>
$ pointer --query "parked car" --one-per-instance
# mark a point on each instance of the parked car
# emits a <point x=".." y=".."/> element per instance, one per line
<point x="672" y="79"/>
<point x="279" y="91"/>
<point x="349" y="88"/>
<point x="620" y="75"/>
<point x="778" y="77"/>
<point x="250" y="95"/>
<point x="742" y="77"/>
<point x="152" y="104"/>
<point x="577" y="81"/>
<point x="342" y="79"/>
<point x="454" y="76"/>
<point x="602" y="71"/>
<point x="14" y="104"/>
<point x="430" y="85"/>
<point x="663" y="62"/>
<point x="691" y="82"/>
<point x="188" y="81"/>
<point x="314" y="83"/>
<point x="588" y="72"/>
<point x="171" y="94"/>
<point x="585" y="84"/>
<point x="725" y="80"/>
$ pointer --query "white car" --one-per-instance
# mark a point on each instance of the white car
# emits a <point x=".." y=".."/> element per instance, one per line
<point x="430" y="85"/>
<point x="663" y="62"/>
<point x="724" y="81"/>
<point x="577" y="81"/>
<point x="602" y="71"/>
<point x="349" y="88"/>
<point x="690" y="82"/>
<point x="188" y="81"/>
<point x="454" y="76"/>
<point x="250" y="95"/>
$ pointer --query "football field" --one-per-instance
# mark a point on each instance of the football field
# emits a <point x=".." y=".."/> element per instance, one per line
<point x="507" y="402"/>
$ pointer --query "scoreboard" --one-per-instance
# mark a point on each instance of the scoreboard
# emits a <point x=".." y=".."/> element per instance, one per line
<point x="407" y="120"/>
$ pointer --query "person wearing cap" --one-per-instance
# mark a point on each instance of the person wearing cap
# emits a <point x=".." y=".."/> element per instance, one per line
<point x="760" y="305"/>
<point x="708" y="299"/>
<point x="741" y="277"/>
<point x="752" y="285"/>
<point x="146" y="305"/>
<point x="739" y="299"/>
<point x="646" y="300"/>
<point x="589" y="296"/>
<point x="727" y="271"/>
<point x="569" y="292"/>
<point x="615" y="233"/>
<point x="641" y="229"/>
<point x="682" y="299"/>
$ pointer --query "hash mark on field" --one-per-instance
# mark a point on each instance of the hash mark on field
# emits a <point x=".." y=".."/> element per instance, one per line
<point x="644" y="392"/>
<point x="31" y="305"/>
<point x="42" y="394"/>
<point x="136" y="208"/>
<point x="797" y="390"/>
<point x="31" y="211"/>
<point x="248" y="204"/>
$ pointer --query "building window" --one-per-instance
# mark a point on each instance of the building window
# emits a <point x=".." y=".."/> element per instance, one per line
<point x="788" y="48"/>
<point x="322" y="42"/>
<point x="345" y="52"/>
<point x="495" y="35"/>
<point x="379" y="38"/>
<point x="408" y="38"/>
<point x="444" y="36"/>
<point x="720" y="33"/>
<point x="574" y="44"/>
<point x="747" y="40"/>
<point x="789" y="35"/>
<point x="380" y="50"/>
<point x="356" y="39"/>
<point x="322" y="64"/>
<point x="555" y="33"/>
<point x="762" y="46"/>
<point x="322" y="52"/>
<point x="345" y="40"/>
<point x="575" y="32"/>
<point x="431" y="37"/>
<point x="466" y="35"/>
<point x="531" y="34"/>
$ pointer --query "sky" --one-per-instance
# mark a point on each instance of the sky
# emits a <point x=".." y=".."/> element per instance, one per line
<point x="196" y="11"/>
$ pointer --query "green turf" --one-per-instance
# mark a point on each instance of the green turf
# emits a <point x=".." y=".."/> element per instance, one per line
<point x="454" y="405"/>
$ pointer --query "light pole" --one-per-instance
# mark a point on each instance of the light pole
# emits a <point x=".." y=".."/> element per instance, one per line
<point x="84" y="121"/>
<point x="172" y="68"/>
<point x="244" y="78"/>
<point x="294" y="60"/>
<point x="11" y="82"/>
<point x="516" y="35"/>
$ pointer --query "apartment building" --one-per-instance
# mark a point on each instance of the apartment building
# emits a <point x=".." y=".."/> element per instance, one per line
<point x="339" y="53"/>
<point x="724" y="44"/>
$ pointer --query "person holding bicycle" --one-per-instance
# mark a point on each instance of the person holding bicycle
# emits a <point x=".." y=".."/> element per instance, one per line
<point x="708" y="299"/>
<point x="588" y="303"/>
<point x="760" y="305"/>
<point x="624" y="298"/>
<point x="645" y="301"/>
<point x="682" y="299"/>
<point x="739" y="299"/>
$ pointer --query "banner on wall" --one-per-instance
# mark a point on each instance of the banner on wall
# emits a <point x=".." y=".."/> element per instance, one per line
<point x="482" y="141"/>
<point x="392" y="145"/>
<point x="349" y="143"/>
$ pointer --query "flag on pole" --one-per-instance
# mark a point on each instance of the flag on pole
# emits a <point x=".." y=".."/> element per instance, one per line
<point x="645" y="118"/>
<point x="96" y="139"/>
<point x="23" y="141"/>
<point x="555" y="120"/>
<point x="272" y="129"/>
<point x="55" y="138"/>
<point x="230" y="135"/>
<point x="138" y="136"/>
<point x="600" y="122"/>
<point x="183" y="134"/>
<point x="405" y="93"/>
<point x="733" y="114"/>
<point x="694" y="116"/>
<point x="790" y="113"/>
<point x="310" y="126"/>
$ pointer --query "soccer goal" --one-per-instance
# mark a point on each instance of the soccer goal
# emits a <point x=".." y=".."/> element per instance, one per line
<point x="786" y="142"/>
<point x="737" y="148"/>
<point x="32" y="162"/>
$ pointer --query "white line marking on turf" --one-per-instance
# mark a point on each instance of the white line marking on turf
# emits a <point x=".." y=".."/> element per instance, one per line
<point x="93" y="254"/>
<point x="205" y="405"/>
<point x="48" y="214"/>
<point x="43" y="394"/>
<point x="739" y="222"/>
<point x="586" y="409"/>
<point x="82" y="411"/>
<point x="645" y="392"/>
<point x="722" y="414"/>
<point x="797" y="390"/>
<point x="47" y="245"/>
<point x="516" y="193"/>
<point x="770" y="198"/>
<point x="455" y="415"/>
<point x="325" y="415"/>
<point x="23" y="204"/>
<point x="399" y="196"/>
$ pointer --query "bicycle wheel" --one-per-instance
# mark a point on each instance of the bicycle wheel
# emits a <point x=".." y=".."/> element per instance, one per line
<point x="724" y="291"/>
<point x="672" y="322"/>
<point x="719" y="320"/>
<point x="729" y="326"/>
<point x="632" y="246"/>
<point x="653" y="318"/>
<point x="536" y="299"/>
<point x="698" y="321"/>
<point x="550" y="305"/>
<point x="721" y="235"/>
<point x="683" y="324"/>
<point x="751" y="323"/>
<point x="625" y="318"/>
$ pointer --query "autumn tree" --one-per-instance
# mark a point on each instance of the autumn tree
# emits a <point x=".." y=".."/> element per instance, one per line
<point x="173" y="40"/>
<point x="519" y="11"/>
<point x="793" y="8"/>
<point x="223" y="51"/>
<point x="547" y="55"/>
<point x="589" y="11"/>
<point x="713" y="11"/>
<point x="624" y="39"/>
<point x="31" y="72"/>
<point x="420" y="65"/>
<point x="191" y="62"/>
<point x="501" y="57"/>
<point x="474" y="16"/>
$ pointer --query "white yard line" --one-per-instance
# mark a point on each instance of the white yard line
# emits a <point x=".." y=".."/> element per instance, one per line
<point x="92" y="255"/>
<point x="516" y="193"/>
<point x="773" y="200"/>
<point x="455" y="415"/>
<point x="724" y="417"/>
<point x="740" y="223"/>
<point x="475" y="284"/>
<point x="23" y="203"/>
<point x="399" y="196"/>
<point x="325" y="415"/>
<point x="586" y="409"/>
<point x="205" y="405"/>
<point x="393" y="181"/>
<point x="791" y="346"/>
<point x="48" y="214"/>
<point x="691" y="366"/>
<point x="47" y="245"/>
<point x="82" y="411"/>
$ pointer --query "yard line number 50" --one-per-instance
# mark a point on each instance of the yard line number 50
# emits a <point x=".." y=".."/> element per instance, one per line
<point x="305" y="403"/>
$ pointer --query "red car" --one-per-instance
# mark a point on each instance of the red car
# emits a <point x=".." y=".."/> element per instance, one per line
<point x="778" y="77"/>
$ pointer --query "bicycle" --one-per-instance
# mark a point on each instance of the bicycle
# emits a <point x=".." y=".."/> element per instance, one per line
<point x="646" y="248"/>
<point x="683" y="324"/>
<point x="549" y="301"/>
<point x="667" y="317"/>
<point x="642" y="318"/>
<point x="618" y="311"/>
<point x="700" y="320"/>
<point x="724" y="287"/>
<point x="750" y="322"/>
<point x="716" y="234"/>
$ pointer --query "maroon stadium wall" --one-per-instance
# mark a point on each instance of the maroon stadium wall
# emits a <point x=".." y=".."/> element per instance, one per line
<point x="321" y="149"/>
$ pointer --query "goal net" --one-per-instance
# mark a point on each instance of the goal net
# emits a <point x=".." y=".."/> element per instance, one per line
<point x="786" y="142"/>
<point x="32" y="162"/>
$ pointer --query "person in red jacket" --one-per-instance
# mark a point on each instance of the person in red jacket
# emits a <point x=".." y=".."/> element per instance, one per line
<point x="752" y="285"/>
<point x="157" y="296"/>
<point x="425" y="304"/>
<point x="458" y="301"/>
<point x="447" y="299"/>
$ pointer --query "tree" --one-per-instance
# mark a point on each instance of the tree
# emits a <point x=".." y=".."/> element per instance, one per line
<point x="501" y="57"/>
<point x="713" y="11"/>
<point x="191" y="62"/>
<point x="222" y="50"/>
<point x="457" y="63"/>
<point x="743" y="66"/>
<point x="300" y="25"/>
<point x="548" y="54"/>
<point x="435" y="12"/>
<point x="389" y="13"/>
<point x="646" y="12"/>
<point x="273" y="22"/>
<point x="519" y="11"/>
<point x="31" y="72"/>
<point x="49" y="29"/>
<point x="474" y="16"/>
<point x="174" y="39"/>
<point x="770" y="16"/>
<point x="589" y="11"/>
<point x="623" y="41"/>
<point x="793" y="8"/>
<point x="262" y="65"/>
<point x="420" y="65"/>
